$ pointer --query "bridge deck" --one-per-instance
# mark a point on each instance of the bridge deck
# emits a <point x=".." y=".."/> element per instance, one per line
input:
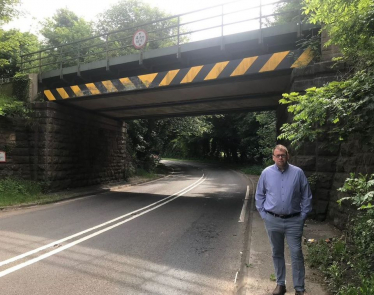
<point x="251" y="83"/>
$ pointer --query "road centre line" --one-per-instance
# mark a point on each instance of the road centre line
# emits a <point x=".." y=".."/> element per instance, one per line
<point x="134" y="215"/>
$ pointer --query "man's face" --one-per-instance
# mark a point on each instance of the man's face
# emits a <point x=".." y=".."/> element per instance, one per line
<point x="280" y="158"/>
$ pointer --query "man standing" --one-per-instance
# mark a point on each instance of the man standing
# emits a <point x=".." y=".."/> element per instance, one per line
<point x="283" y="199"/>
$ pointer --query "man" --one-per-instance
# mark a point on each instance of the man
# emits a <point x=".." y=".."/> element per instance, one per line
<point x="283" y="199"/>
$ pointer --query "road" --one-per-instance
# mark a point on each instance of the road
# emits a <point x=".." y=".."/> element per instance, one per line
<point x="177" y="235"/>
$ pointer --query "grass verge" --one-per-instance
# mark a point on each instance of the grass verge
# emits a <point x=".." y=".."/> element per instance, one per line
<point x="16" y="191"/>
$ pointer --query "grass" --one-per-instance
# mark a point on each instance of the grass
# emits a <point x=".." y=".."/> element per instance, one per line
<point x="252" y="170"/>
<point x="15" y="191"/>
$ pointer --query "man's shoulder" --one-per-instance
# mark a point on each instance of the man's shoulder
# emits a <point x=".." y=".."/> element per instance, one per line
<point x="293" y="167"/>
<point x="268" y="169"/>
<point x="296" y="169"/>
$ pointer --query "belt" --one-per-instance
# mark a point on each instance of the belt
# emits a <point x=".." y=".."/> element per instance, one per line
<point x="283" y="216"/>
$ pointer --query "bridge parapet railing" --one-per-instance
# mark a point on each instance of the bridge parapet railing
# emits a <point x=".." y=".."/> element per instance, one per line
<point x="216" y="21"/>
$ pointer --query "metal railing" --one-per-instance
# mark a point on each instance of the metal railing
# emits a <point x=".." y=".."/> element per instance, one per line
<point x="216" y="21"/>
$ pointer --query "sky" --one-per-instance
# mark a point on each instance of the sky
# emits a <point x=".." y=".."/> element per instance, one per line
<point x="37" y="10"/>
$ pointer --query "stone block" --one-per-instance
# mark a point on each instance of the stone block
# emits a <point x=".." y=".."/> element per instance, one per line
<point x="326" y="164"/>
<point x="306" y="163"/>
<point x="322" y="195"/>
<point x="325" y="180"/>
<point x="326" y="149"/>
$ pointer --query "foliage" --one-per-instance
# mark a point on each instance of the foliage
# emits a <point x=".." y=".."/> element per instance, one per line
<point x="12" y="108"/>
<point x="349" y="24"/>
<point x="291" y="11"/>
<point x="332" y="112"/>
<point x="8" y="10"/>
<point x="13" y="43"/>
<point x="366" y="288"/>
<point x="15" y="191"/>
<point x="246" y="136"/>
<point x="127" y="14"/>
<point x="360" y="190"/>
<point x="313" y="180"/>
<point x="21" y="83"/>
<point x="286" y="12"/>
<point x="66" y="27"/>
<point x="253" y="170"/>
<point x="348" y="262"/>
<point x="337" y="110"/>
<point x="266" y="134"/>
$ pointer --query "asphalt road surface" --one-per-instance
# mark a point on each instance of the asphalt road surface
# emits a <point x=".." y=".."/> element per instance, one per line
<point x="177" y="235"/>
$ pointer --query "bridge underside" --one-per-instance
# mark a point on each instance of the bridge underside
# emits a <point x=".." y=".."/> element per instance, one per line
<point x="250" y="93"/>
<point x="246" y="84"/>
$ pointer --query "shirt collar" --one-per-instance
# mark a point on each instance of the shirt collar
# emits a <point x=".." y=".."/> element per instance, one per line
<point x="285" y="168"/>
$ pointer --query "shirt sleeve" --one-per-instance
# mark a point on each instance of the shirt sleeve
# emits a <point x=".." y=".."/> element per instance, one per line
<point x="261" y="196"/>
<point x="306" y="196"/>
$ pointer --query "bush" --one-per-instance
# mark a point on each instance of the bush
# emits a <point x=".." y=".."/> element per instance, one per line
<point x="253" y="170"/>
<point x="347" y="263"/>
<point x="16" y="191"/>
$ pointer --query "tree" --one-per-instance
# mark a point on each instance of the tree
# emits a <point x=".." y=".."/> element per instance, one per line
<point x="337" y="110"/>
<point x="63" y="28"/>
<point x="350" y="25"/>
<point x="14" y="43"/>
<point x="286" y="12"/>
<point x="8" y="10"/>
<point x="133" y="14"/>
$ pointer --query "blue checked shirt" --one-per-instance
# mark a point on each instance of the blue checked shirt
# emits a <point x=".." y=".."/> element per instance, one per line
<point x="283" y="193"/>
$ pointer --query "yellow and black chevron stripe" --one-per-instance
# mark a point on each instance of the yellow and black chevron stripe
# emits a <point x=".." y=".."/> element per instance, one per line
<point x="220" y="70"/>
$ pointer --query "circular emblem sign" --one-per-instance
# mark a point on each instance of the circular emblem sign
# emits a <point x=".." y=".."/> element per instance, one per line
<point x="140" y="39"/>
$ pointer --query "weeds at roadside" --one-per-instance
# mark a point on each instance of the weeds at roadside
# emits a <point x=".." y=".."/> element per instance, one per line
<point x="347" y="263"/>
<point x="16" y="191"/>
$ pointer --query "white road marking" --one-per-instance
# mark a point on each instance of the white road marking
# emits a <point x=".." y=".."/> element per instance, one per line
<point x="242" y="214"/>
<point x="135" y="214"/>
<point x="236" y="277"/>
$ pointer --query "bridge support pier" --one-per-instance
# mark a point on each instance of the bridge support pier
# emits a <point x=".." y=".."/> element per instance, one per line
<point x="75" y="148"/>
<point x="64" y="147"/>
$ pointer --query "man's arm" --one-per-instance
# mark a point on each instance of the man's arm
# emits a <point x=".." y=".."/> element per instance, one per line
<point x="306" y="196"/>
<point x="261" y="196"/>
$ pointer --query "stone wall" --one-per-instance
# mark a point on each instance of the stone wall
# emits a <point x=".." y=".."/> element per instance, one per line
<point x="15" y="141"/>
<point x="327" y="166"/>
<point x="328" y="52"/>
<point x="67" y="148"/>
<point x="353" y="157"/>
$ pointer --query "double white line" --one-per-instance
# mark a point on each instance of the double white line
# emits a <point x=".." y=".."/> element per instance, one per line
<point x="127" y="217"/>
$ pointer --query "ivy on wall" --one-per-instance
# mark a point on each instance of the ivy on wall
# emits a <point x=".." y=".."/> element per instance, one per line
<point x="332" y="112"/>
<point x="21" y="84"/>
<point x="15" y="106"/>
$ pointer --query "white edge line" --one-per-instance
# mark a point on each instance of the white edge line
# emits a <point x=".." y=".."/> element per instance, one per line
<point x="10" y="260"/>
<point x="242" y="213"/>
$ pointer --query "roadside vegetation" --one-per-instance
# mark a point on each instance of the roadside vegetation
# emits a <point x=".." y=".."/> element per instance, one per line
<point x="334" y="113"/>
<point x="347" y="262"/>
<point x="15" y="191"/>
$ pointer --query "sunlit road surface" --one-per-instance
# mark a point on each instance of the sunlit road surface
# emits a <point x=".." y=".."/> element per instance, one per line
<point x="176" y="235"/>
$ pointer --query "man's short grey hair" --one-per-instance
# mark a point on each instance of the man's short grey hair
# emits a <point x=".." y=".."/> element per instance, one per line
<point x="280" y="147"/>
